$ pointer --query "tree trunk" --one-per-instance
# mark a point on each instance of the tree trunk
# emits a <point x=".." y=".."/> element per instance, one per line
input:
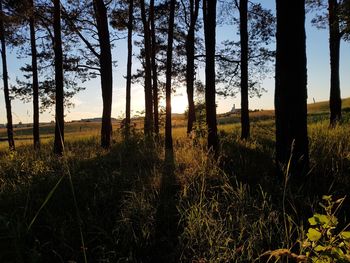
<point x="291" y="87"/>
<point x="209" y="17"/>
<point x="190" y="71"/>
<point x="59" y="127"/>
<point x="169" y="61"/>
<point x="334" y="48"/>
<point x="129" y="65"/>
<point x="154" y="70"/>
<point x="148" y="126"/>
<point x="106" y="71"/>
<point x="11" y="141"/>
<point x="243" y="11"/>
<point x="36" y="137"/>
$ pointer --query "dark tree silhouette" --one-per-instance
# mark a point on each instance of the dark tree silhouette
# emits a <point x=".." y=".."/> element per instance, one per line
<point x="190" y="67"/>
<point x="168" y="135"/>
<point x="105" y="59"/>
<point x="334" y="48"/>
<point x="337" y="19"/>
<point x="243" y="17"/>
<point x="154" y="68"/>
<point x="129" y="66"/>
<point x="59" y="119"/>
<point x="291" y="87"/>
<point x="148" y="128"/>
<point x="36" y="136"/>
<point x="11" y="141"/>
<point x="209" y="18"/>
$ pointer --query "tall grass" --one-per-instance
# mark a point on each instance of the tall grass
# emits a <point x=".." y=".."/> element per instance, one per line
<point x="137" y="203"/>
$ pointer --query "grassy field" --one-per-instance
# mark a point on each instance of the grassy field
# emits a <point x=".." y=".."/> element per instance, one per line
<point x="137" y="203"/>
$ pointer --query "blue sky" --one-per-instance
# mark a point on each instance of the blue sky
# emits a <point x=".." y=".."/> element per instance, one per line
<point x="88" y="103"/>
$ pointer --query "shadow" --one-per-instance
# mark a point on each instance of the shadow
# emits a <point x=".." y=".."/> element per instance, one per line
<point x="167" y="217"/>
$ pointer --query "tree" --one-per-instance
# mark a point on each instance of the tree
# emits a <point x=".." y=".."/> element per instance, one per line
<point x="154" y="68"/>
<point x="244" y="63"/>
<point x="36" y="136"/>
<point x="291" y="87"/>
<point x="168" y="135"/>
<point x="59" y="124"/>
<point x="5" y="77"/>
<point x="148" y="126"/>
<point x="337" y="20"/>
<point x="209" y="18"/>
<point x="243" y="15"/>
<point x="105" y="59"/>
<point x="190" y="58"/>
<point x="129" y="66"/>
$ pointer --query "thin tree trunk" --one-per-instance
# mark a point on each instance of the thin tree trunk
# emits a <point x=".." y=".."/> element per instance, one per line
<point x="36" y="136"/>
<point x="209" y="17"/>
<point x="129" y="66"/>
<point x="243" y="10"/>
<point x="11" y="141"/>
<point x="169" y="61"/>
<point x="190" y="70"/>
<point x="334" y="48"/>
<point x="148" y="126"/>
<point x="154" y="70"/>
<point x="59" y="127"/>
<point x="291" y="88"/>
<point x="106" y="71"/>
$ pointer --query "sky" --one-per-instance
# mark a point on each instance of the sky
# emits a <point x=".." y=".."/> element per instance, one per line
<point x="88" y="103"/>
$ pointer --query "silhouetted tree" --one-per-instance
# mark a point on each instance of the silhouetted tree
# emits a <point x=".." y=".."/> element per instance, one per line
<point x="209" y="18"/>
<point x="191" y="22"/>
<point x="168" y="135"/>
<point x="243" y="19"/>
<point x="36" y="136"/>
<point x="335" y="15"/>
<point x="129" y="66"/>
<point x="154" y="47"/>
<point x="105" y="59"/>
<point x="148" y="126"/>
<point x="244" y="63"/>
<point x="59" y="126"/>
<point x="5" y="77"/>
<point x="291" y="87"/>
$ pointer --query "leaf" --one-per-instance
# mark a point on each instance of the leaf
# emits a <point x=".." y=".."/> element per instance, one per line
<point x="327" y="197"/>
<point x="345" y="235"/>
<point x="337" y="251"/>
<point x="319" y="248"/>
<point x="313" y="221"/>
<point x="323" y="219"/>
<point x="313" y="234"/>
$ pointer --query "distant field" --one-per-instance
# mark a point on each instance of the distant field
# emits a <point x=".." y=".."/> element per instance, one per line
<point x="80" y="130"/>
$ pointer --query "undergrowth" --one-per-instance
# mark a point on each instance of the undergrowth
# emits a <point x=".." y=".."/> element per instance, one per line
<point x="137" y="203"/>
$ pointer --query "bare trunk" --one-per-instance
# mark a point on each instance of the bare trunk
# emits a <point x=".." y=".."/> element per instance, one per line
<point x="334" y="48"/>
<point x="129" y="65"/>
<point x="59" y="127"/>
<point x="36" y="136"/>
<point x="11" y="141"/>
<point x="148" y="128"/>
<point x="209" y="16"/>
<point x="190" y="70"/>
<point x="169" y="61"/>
<point x="243" y="10"/>
<point x="291" y="88"/>
<point x="106" y="71"/>
<point x="154" y="69"/>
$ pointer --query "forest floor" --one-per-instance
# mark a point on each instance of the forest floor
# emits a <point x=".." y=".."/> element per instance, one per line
<point x="138" y="203"/>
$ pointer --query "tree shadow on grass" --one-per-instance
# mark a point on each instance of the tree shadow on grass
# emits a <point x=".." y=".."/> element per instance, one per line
<point x="103" y="186"/>
<point x="167" y="216"/>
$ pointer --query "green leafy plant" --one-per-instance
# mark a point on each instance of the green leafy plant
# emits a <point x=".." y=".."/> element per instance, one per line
<point x="323" y="243"/>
